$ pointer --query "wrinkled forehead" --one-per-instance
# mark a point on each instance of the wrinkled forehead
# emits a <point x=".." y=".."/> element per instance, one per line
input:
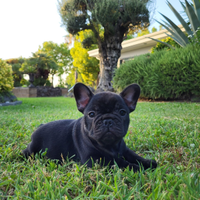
<point x="106" y="101"/>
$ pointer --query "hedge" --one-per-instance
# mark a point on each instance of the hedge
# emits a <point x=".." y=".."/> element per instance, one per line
<point x="164" y="74"/>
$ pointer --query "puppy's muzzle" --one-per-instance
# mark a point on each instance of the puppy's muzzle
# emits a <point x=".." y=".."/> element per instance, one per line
<point x="108" y="122"/>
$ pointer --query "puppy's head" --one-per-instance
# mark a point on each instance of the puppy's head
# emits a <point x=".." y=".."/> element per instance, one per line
<point x="106" y="114"/>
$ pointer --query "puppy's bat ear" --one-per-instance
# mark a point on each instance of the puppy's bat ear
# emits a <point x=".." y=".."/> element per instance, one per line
<point x="82" y="95"/>
<point x="130" y="95"/>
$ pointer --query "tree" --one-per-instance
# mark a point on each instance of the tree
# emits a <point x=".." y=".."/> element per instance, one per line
<point x="60" y="55"/>
<point x="153" y="30"/>
<point x="192" y="27"/>
<point x="115" y="17"/>
<point x="85" y="66"/>
<point x="143" y="32"/>
<point x="161" y="27"/>
<point x="40" y="65"/>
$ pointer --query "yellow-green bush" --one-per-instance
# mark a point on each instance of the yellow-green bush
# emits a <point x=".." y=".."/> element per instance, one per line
<point x="6" y="78"/>
<point x="159" y="46"/>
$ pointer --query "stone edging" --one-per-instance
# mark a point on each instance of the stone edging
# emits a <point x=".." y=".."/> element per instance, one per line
<point x="11" y="103"/>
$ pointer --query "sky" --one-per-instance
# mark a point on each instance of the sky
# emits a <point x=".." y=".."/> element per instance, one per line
<point x="26" y="24"/>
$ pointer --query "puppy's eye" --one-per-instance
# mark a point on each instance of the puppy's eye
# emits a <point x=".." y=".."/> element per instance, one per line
<point x="122" y="112"/>
<point x="91" y="114"/>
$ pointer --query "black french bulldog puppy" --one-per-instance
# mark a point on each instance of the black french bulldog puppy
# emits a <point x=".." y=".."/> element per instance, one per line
<point x="97" y="136"/>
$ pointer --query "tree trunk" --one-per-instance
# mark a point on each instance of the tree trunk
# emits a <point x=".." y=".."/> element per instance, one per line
<point x="31" y="79"/>
<point x="52" y="79"/>
<point x="109" y="51"/>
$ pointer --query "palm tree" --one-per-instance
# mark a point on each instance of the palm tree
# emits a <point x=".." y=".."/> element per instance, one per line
<point x="192" y="27"/>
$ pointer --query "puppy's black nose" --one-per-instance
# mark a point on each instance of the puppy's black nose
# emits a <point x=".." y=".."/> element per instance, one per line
<point x="108" y="122"/>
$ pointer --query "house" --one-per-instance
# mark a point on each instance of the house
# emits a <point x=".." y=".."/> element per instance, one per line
<point x="137" y="46"/>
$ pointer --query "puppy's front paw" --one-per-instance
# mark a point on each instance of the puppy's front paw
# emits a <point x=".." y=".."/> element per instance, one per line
<point x="150" y="164"/>
<point x="134" y="167"/>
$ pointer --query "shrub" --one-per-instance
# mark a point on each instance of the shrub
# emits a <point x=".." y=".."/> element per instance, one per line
<point x="17" y="75"/>
<point x="6" y="78"/>
<point x="165" y="74"/>
<point x="159" y="46"/>
<point x="7" y="96"/>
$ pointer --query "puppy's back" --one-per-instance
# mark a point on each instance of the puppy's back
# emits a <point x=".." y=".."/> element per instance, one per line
<point x="54" y="136"/>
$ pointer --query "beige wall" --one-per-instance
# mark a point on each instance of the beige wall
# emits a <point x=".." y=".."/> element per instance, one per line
<point x="135" y="52"/>
<point x="24" y="92"/>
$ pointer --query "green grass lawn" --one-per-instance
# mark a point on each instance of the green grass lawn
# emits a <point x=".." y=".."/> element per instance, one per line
<point x="166" y="132"/>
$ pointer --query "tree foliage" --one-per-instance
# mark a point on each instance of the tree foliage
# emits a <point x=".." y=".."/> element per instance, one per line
<point x="60" y="54"/>
<point x="143" y="32"/>
<point x="87" y="68"/>
<point x="146" y="31"/>
<point x="41" y="65"/>
<point x="80" y="15"/>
